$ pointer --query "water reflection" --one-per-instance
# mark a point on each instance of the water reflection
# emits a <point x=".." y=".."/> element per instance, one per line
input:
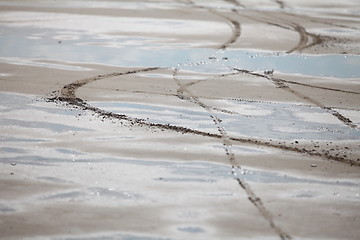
<point x="267" y="120"/>
<point x="129" y="5"/>
<point x="79" y="46"/>
<point x="112" y="237"/>
<point x="54" y="127"/>
<point x="94" y="192"/>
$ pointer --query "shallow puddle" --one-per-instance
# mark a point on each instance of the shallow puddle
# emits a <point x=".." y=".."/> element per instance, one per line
<point x="251" y="119"/>
<point x="194" y="171"/>
<point x="113" y="237"/>
<point x="27" y="46"/>
<point x="93" y="4"/>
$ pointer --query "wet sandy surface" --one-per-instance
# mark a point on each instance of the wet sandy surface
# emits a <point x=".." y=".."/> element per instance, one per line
<point x="179" y="120"/>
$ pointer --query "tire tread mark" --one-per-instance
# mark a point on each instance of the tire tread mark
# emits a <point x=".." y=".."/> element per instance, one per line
<point x="304" y="36"/>
<point x="226" y="142"/>
<point x="234" y="24"/>
<point x="280" y="83"/>
<point x="67" y="95"/>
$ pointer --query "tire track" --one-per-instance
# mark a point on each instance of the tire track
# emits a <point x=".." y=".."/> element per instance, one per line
<point x="180" y="93"/>
<point x="306" y="39"/>
<point x="264" y="212"/>
<point x="226" y="142"/>
<point x="318" y="39"/>
<point x="235" y="3"/>
<point x="318" y="87"/>
<point x="233" y="23"/>
<point x="280" y="83"/>
<point x="320" y="20"/>
<point x="346" y="121"/>
<point x="67" y="95"/>
<point x="236" y="32"/>
<point x="281" y="4"/>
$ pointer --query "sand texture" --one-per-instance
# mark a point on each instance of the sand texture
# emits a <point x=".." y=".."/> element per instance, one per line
<point x="188" y="119"/>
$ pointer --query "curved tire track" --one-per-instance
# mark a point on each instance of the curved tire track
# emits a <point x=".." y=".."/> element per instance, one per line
<point x="67" y="94"/>
<point x="306" y="39"/>
<point x="233" y="23"/>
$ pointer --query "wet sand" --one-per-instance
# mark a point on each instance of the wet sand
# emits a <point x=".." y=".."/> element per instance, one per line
<point x="179" y="119"/>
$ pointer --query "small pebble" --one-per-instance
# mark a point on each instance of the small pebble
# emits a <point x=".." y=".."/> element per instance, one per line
<point x="313" y="165"/>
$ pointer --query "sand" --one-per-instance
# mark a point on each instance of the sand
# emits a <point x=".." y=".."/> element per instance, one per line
<point x="179" y="119"/>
